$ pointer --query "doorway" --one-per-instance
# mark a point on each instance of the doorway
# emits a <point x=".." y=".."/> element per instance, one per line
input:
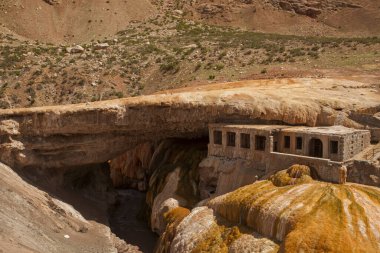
<point x="316" y="148"/>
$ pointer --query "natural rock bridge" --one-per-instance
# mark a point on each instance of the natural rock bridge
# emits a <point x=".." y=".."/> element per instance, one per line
<point x="71" y="135"/>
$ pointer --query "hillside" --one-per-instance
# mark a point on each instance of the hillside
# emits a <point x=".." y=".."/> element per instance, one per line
<point x="59" y="21"/>
<point x="306" y="17"/>
<point x="145" y="58"/>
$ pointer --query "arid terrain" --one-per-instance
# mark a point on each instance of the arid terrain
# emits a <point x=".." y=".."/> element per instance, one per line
<point x="105" y="108"/>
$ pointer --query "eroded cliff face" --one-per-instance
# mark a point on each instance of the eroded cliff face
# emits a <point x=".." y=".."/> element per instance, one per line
<point x="131" y="169"/>
<point x="175" y="178"/>
<point x="71" y="135"/>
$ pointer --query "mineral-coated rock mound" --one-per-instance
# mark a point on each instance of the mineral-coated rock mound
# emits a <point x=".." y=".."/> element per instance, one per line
<point x="70" y="135"/>
<point x="310" y="217"/>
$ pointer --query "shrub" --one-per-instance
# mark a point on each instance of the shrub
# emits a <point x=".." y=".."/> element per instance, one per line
<point x="197" y="67"/>
<point x="169" y="66"/>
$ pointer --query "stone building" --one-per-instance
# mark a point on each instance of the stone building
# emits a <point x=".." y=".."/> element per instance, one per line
<point x="276" y="147"/>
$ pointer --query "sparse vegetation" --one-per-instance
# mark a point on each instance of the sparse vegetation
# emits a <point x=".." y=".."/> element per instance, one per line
<point x="198" y="53"/>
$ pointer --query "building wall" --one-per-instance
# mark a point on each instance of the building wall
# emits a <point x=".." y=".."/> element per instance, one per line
<point x="348" y="145"/>
<point x="306" y="138"/>
<point x="326" y="169"/>
<point x="355" y="143"/>
<point x="238" y="152"/>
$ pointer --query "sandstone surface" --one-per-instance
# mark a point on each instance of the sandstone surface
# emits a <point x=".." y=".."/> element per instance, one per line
<point x="59" y="136"/>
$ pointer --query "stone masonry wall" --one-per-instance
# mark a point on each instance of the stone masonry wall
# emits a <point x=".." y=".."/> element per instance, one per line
<point x="355" y="143"/>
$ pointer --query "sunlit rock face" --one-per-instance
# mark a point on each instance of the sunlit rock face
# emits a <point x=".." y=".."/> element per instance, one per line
<point x="72" y="135"/>
<point x="314" y="216"/>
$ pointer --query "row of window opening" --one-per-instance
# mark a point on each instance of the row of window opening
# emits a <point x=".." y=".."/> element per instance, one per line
<point x="245" y="140"/>
<point x="260" y="141"/>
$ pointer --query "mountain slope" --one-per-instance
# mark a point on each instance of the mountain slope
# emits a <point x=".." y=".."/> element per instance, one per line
<point x="61" y="21"/>
<point x="71" y="21"/>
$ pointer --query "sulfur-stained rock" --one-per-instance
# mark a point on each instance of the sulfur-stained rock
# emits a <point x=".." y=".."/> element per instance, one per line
<point x="312" y="216"/>
<point x="165" y="201"/>
<point x="248" y="243"/>
<point x="200" y="231"/>
<point x="192" y="230"/>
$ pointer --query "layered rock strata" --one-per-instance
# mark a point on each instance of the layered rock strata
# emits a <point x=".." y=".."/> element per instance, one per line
<point x="70" y="135"/>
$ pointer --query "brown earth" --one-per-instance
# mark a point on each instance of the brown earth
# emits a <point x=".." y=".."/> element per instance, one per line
<point x="318" y="18"/>
<point x="72" y="21"/>
<point x="82" y="21"/>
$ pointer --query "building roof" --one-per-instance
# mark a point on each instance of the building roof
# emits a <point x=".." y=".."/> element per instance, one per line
<point x="256" y="127"/>
<point x="326" y="130"/>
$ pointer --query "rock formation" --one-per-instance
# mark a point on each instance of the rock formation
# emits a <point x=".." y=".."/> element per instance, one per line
<point x="313" y="216"/>
<point x="130" y="169"/>
<point x="302" y="216"/>
<point x="200" y="231"/>
<point x="33" y="221"/>
<point x="173" y="179"/>
<point x="312" y="8"/>
<point x="69" y="135"/>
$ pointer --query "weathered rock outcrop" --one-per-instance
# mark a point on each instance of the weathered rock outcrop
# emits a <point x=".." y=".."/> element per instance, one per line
<point x="312" y="8"/>
<point x="307" y="217"/>
<point x="33" y="221"/>
<point x="174" y="178"/>
<point x="200" y="231"/>
<point x="289" y="212"/>
<point x="59" y="136"/>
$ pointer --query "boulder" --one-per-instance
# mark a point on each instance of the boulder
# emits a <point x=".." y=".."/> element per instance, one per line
<point x="75" y="49"/>
<point x="52" y="2"/>
<point x="100" y="46"/>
